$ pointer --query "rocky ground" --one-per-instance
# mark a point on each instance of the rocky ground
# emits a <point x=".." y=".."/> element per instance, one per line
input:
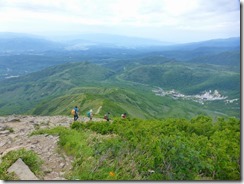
<point x="14" y="134"/>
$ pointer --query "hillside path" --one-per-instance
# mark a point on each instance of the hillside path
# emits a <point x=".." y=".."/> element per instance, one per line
<point x="56" y="163"/>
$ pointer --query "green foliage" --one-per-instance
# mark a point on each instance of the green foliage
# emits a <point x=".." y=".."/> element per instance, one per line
<point x="173" y="149"/>
<point x="29" y="158"/>
<point x="141" y="104"/>
<point x="193" y="78"/>
<point x="167" y="149"/>
<point x="101" y="128"/>
<point x="55" y="90"/>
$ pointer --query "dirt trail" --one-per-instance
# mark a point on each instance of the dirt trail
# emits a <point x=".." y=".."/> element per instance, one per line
<point x="98" y="110"/>
<point x="55" y="163"/>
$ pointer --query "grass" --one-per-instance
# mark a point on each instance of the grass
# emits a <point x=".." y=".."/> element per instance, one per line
<point x="168" y="149"/>
<point x="96" y="156"/>
<point x="54" y="91"/>
<point x="29" y="158"/>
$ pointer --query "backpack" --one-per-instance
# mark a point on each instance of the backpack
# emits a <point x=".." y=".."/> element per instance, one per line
<point x="73" y="111"/>
<point x="88" y="114"/>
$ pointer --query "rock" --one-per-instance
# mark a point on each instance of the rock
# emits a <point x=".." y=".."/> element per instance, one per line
<point x="12" y="136"/>
<point x="14" y="120"/>
<point x="4" y="132"/>
<point x="22" y="171"/>
<point x="62" y="165"/>
<point x="32" y="146"/>
<point x="35" y="142"/>
<point x="11" y="149"/>
<point x="44" y="145"/>
<point x="2" y="143"/>
<point x="3" y="127"/>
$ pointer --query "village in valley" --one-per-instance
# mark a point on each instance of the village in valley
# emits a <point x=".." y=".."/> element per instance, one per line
<point x="200" y="98"/>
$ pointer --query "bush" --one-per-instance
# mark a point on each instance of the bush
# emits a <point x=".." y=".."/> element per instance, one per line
<point x="169" y="149"/>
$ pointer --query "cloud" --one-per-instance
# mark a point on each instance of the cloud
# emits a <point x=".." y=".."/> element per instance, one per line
<point x="123" y="15"/>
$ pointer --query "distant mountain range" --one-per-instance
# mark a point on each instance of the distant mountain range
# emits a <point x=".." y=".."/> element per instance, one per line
<point x="30" y="43"/>
<point x="43" y="77"/>
<point x="17" y="42"/>
<point x="20" y="43"/>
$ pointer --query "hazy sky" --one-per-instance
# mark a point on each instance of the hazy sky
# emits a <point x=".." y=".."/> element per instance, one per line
<point x="165" y="20"/>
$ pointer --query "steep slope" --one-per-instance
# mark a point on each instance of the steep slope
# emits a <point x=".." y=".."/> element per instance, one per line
<point x="57" y="89"/>
<point x="188" y="78"/>
<point x="143" y="105"/>
<point x="21" y="94"/>
<point x="227" y="58"/>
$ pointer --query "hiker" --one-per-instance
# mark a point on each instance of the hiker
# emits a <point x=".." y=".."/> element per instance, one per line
<point x="123" y="115"/>
<point x="75" y="113"/>
<point x="89" y="114"/>
<point x="106" y="116"/>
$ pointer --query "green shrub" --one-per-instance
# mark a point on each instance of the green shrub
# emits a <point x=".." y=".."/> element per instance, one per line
<point x="168" y="149"/>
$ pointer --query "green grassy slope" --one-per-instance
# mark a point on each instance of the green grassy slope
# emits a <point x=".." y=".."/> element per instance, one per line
<point x="21" y="94"/>
<point x="143" y="105"/>
<point x="173" y="149"/>
<point x="188" y="78"/>
<point x="57" y="89"/>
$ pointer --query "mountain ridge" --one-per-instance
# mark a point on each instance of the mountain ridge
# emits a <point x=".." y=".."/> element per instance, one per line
<point x="30" y="79"/>
<point x="106" y="39"/>
<point x="95" y="86"/>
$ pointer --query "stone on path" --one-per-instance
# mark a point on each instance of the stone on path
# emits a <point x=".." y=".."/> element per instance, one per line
<point x="22" y="171"/>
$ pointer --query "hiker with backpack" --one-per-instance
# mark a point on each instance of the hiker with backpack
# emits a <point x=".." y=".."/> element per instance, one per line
<point x="106" y="116"/>
<point x="75" y="113"/>
<point x="123" y="115"/>
<point x="90" y="114"/>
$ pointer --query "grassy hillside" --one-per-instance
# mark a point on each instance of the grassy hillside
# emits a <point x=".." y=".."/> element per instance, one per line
<point x="228" y="58"/>
<point x="21" y="94"/>
<point x="117" y="101"/>
<point x="172" y="149"/>
<point x="189" y="78"/>
<point x="56" y="90"/>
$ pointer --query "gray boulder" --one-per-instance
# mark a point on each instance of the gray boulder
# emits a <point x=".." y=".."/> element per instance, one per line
<point x="22" y="171"/>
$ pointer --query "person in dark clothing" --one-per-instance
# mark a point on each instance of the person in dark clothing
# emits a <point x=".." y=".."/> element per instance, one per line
<point x="123" y="115"/>
<point x="106" y="116"/>
<point x="76" y="113"/>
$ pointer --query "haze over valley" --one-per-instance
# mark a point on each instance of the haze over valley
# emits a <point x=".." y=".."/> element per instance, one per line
<point x="161" y="78"/>
<point x="35" y="70"/>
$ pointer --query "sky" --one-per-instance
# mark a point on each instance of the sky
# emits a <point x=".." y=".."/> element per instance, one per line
<point x="175" y="21"/>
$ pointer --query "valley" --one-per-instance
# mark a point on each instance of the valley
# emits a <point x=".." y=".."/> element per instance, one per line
<point x="182" y="103"/>
<point x="121" y="79"/>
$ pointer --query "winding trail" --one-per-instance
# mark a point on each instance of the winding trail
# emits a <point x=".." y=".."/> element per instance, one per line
<point x="98" y="110"/>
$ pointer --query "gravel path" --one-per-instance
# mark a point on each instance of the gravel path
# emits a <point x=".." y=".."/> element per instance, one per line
<point x="55" y="163"/>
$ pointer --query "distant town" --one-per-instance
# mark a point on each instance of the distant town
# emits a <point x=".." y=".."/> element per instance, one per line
<point x="200" y="98"/>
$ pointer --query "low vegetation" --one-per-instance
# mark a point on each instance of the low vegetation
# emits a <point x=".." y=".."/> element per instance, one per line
<point x="162" y="139"/>
<point x="125" y="86"/>
<point x="168" y="149"/>
<point x="29" y="158"/>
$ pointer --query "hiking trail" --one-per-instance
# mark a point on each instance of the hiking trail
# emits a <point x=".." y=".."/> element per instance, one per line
<point x="56" y="162"/>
